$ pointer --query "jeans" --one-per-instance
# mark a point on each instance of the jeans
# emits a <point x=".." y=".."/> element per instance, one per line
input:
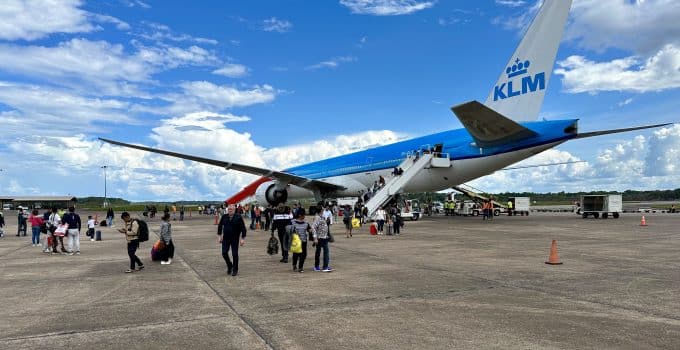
<point x="109" y="221"/>
<point x="284" y="249"/>
<point x="300" y="257"/>
<point x="22" y="227"/>
<point x="323" y="244"/>
<point x="132" y="249"/>
<point x="233" y="244"/>
<point x="73" y="240"/>
<point x="381" y="224"/>
<point x="35" y="239"/>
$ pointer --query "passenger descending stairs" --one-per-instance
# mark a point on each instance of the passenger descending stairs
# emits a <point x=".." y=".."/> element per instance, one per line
<point x="411" y="168"/>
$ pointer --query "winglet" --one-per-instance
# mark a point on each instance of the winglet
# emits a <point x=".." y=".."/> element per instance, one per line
<point x="488" y="127"/>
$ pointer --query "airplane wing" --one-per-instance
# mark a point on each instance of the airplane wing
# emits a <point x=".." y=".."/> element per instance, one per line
<point x="582" y="135"/>
<point x="283" y="176"/>
<point x="488" y="127"/>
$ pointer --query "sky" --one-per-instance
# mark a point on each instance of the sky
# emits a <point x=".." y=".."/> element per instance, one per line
<point x="280" y="83"/>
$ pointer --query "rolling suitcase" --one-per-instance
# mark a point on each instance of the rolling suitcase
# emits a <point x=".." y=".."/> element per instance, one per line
<point x="98" y="235"/>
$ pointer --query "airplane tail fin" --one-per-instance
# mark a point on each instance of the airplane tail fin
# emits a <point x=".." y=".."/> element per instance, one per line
<point x="519" y="91"/>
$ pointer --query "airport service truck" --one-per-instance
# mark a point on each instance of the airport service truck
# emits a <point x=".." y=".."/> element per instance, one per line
<point x="520" y="205"/>
<point x="601" y="205"/>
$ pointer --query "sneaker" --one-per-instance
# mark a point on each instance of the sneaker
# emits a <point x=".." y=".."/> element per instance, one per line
<point x="234" y="273"/>
<point x="128" y="271"/>
<point x="328" y="269"/>
<point x="301" y="270"/>
<point x="140" y="268"/>
<point x="165" y="263"/>
<point x="169" y="260"/>
<point x="317" y="269"/>
<point x="294" y="269"/>
<point x="71" y="253"/>
<point x="91" y="239"/>
<point x="78" y="253"/>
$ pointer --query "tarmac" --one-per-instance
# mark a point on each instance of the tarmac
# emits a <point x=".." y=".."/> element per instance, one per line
<point x="444" y="283"/>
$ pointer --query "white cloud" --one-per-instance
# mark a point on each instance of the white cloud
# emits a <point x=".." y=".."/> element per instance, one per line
<point x="625" y="102"/>
<point x="161" y="33"/>
<point x="58" y="112"/>
<point x="35" y="19"/>
<point x="386" y="7"/>
<point x="121" y="25"/>
<point x="276" y="25"/>
<point x="511" y="3"/>
<point x="98" y="64"/>
<point x="640" y="162"/>
<point x="659" y="72"/>
<point x="232" y="70"/>
<point x="639" y="26"/>
<point x="135" y="3"/>
<point x="520" y="20"/>
<point x="204" y="93"/>
<point x="332" y="63"/>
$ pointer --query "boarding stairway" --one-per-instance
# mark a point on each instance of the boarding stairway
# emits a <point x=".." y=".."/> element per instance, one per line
<point x="412" y="167"/>
<point x="477" y="197"/>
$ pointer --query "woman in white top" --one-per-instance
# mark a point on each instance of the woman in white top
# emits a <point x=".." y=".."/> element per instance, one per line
<point x="380" y="219"/>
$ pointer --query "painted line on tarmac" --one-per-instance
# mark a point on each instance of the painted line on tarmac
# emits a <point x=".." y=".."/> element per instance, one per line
<point x="250" y="324"/>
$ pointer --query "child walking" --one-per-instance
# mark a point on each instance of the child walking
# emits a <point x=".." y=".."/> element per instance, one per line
<point x="166" y="235"/>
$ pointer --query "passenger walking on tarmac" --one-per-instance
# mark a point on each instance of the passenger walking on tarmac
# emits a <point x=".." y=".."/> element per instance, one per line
<point x="166" y="235"/>
<point x="302" y="228"/>
<point x="347" y="220"/>
<point x="231" y="232"/>
<point x="109" y="217"/>
<point x="380" y="216"/>
<point x="131" y="231"/>
<point x="320" y="231"/>
<point x="54" y="222"/>
<point x="74" y="224"/>
<point x="90" y="227"/>
<point x="282" y="218"/>
<point x="36" y="221"/>
<point x="21" y="222"/>
<point x="2" y="224"/>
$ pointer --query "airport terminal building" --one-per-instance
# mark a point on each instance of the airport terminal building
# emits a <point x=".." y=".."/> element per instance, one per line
<point x="37" y="202"/>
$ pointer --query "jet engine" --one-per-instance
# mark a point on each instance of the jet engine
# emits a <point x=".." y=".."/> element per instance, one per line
<point x="272" y="193"/>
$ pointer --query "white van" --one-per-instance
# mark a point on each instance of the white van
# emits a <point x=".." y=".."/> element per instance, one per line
<point x="6" y="206"/>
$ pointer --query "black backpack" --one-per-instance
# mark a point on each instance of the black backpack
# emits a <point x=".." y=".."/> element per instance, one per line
<point x="273" y="246"/>
<point x="143" y="232"/>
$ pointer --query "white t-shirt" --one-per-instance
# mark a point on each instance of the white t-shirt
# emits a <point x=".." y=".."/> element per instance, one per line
<point x="90" y="223"/>
<point x="380" y="214"/>
<point x="328" y="215"/>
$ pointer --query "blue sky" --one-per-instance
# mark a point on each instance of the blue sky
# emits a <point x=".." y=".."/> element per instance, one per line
<point x="280" y="83"/>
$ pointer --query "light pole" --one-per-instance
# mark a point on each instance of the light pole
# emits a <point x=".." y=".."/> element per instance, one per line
<point x="104" y="167"/>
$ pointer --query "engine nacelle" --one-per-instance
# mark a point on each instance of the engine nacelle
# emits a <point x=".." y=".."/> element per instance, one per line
<point x="271" y="193"/>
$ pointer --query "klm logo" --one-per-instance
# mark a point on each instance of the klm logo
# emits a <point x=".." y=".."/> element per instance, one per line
<point x="529" y="83"/>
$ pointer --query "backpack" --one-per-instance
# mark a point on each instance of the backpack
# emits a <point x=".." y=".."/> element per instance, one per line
<point x="273" y="246"/>
<point x="143" y="232"/>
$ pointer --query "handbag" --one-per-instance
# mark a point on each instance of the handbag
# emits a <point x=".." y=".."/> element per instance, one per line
<point x="159" y="245"/>
<point x="330" y="237"/>
<point x="296" y="244"/>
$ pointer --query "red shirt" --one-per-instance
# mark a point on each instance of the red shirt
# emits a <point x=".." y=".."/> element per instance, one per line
<point x="36" y="220"/>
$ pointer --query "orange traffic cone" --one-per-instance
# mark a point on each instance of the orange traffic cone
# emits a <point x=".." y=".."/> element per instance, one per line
<point x="553" y="259"/>
<point x="215" y="219"/>
<point x="643" y="222"/>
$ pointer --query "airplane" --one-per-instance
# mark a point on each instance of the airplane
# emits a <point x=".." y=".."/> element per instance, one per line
<point x="496" y="134"/>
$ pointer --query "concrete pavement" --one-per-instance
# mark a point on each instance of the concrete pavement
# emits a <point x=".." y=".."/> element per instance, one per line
<point x="445" y="283"/>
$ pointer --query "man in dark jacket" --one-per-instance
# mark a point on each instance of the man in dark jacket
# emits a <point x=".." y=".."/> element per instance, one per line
<point x="231" y="232"/>
<point x="282" y="219"/>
